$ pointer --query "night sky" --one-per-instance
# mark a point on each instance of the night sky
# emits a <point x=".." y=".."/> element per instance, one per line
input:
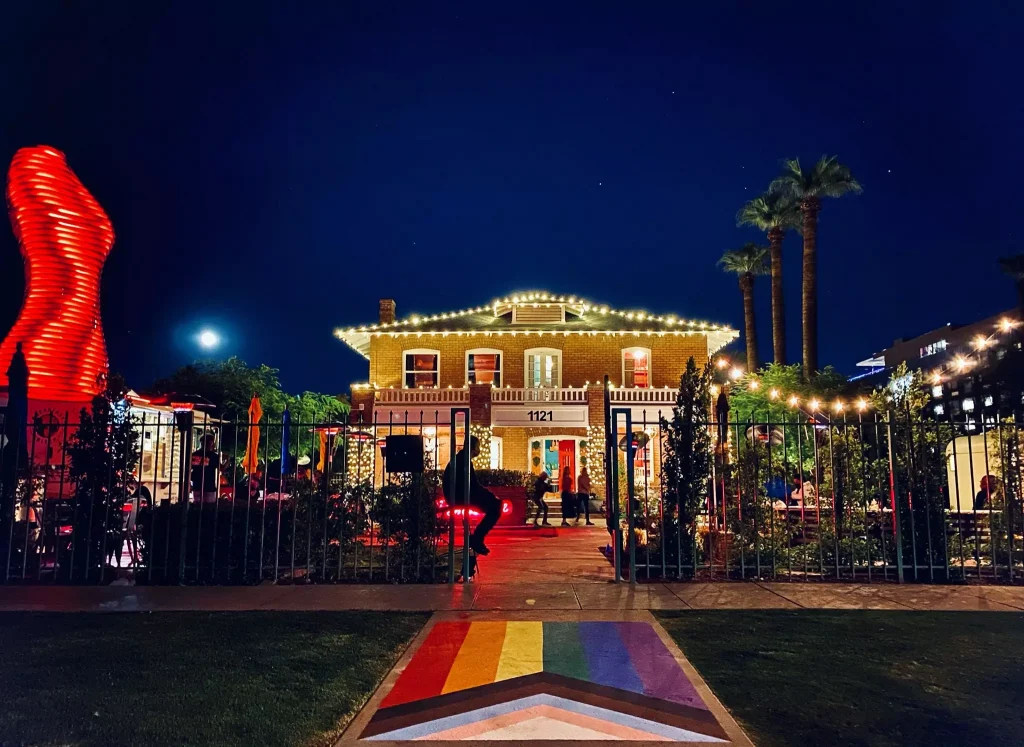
<point x="273" y="169"/>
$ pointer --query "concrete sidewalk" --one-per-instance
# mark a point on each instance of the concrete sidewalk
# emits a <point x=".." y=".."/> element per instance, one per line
<point x="552" y="595"/>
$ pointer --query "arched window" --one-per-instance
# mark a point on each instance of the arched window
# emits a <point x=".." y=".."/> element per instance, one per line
<point x="483" y="366"/>
<point x="636" y="367"/>
<point x="421" y="368"/>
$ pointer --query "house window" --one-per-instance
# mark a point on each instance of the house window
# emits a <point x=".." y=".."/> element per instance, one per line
<point x="939" y="409"/>
<point x="933" y="348"/>
<point x="421" y="368"/>
<point x="543" y="368"/>
<point x="937" y="391"/>
<point x="636" y="368"/>
<point x="483" y="366"/>
<point x="497" y="452"/>
<point x="969" y="404"/>
<point x="989" y="401"/>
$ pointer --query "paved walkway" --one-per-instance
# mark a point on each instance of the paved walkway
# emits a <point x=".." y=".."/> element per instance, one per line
<point x="566" y="596"/>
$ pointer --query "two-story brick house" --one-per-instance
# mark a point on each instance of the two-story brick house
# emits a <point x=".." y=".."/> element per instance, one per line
<point x="531" y="368"/>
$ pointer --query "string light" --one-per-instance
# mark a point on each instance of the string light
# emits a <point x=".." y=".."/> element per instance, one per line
<point x="754" y="384"/>
<point x="814" y="405"/>
<point x="735" y="373"/>
<point x="774" y="394"/>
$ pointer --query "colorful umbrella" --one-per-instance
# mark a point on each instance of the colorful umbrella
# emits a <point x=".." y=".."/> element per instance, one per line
<point x="252" y="450"/>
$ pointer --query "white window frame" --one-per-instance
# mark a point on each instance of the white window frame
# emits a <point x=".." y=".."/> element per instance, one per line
<point x="526" y="366"/>
<point x="420" y="351"/>
<point x="487" y="351"/>
<point x="636" y="349"/>
<point x="496" y="441"/>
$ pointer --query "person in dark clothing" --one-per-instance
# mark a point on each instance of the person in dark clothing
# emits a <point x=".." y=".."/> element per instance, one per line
<point x="985" y="497"/>
<point x="17" y="396"/>
<point x="583" y="496"/>
<point x="541" y="486"/>
<point x="569" y="507"/>
<point x="479" y="497"/>
<point x="205" y="462"/>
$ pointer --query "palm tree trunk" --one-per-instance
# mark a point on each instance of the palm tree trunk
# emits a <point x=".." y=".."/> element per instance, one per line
<point x="749" y="320"/>
<point x="778" y="298"/>
<point x="809" y="310"/>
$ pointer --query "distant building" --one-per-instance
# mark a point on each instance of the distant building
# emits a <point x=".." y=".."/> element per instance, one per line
<point x="972" y="369"/>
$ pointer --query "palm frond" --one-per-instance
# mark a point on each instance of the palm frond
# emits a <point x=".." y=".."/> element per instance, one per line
<point x="749" y="259"/>
<point x="770" y="210"/>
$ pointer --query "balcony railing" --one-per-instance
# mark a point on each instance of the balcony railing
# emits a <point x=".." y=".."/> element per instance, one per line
<point x="666" y="396"/>
<point x="553" y="395"/>
<point x="422" y="396"/>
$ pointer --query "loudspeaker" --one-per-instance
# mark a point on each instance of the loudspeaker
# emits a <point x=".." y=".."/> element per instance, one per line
<point x="404" y="453"/>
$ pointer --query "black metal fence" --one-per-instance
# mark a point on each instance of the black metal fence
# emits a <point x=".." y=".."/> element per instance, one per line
<point x="850" y="495"/>
<point x="160" y="503"/>
<point x="866" y="496"/>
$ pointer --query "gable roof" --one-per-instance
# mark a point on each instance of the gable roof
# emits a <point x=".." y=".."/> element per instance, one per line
<point x="581" y="317"/>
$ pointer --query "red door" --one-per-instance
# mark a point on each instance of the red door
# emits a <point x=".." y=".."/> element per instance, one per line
<point x="566" y="458"/>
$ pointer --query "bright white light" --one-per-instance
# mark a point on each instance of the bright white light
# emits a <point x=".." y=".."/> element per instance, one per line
<point x="209" y="339"/>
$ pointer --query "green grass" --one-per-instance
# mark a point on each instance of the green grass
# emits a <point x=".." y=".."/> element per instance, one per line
<point x="862" y="677"/>
<point x="247" y="678"/>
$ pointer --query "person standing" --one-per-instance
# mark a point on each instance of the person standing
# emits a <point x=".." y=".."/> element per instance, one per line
<point x="568" y="496"/>
<point x="583" y="496"/>
<point x="17" y="397"/>
<point x="479" y="497"/>
<point x="541" y="486"/>
<point x="205" y="462"/>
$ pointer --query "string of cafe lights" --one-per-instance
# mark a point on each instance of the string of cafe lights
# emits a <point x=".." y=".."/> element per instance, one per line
<point x="960" y="364"/>
<point x="536" y="300"/>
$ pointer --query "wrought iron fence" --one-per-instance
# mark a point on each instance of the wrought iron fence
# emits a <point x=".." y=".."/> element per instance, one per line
<point x="865" y="496"/>
<point x="163" y="505"/>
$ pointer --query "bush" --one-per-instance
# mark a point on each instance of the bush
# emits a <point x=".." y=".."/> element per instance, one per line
<point x="504" y="478"/>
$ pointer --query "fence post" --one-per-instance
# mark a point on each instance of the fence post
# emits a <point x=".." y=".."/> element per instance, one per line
<point x="630" y="490"/>
<point x="455" y="412"/>
<point x="896" y="523"/>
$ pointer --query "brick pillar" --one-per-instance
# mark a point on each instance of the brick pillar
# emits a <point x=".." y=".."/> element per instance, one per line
<point x="595" y="437"/>
<point x="480" y="420"/>
<point x="362" y="406"/>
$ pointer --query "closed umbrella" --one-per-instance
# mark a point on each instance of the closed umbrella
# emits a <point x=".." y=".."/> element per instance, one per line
<point x="286" y="422"/>
<point x="252" y="450"/>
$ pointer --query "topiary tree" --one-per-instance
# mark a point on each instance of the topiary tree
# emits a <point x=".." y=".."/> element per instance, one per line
<point x="687" y="461"/>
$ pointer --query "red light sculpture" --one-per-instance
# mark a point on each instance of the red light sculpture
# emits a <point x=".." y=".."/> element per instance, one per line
<point x="65" y="238"/>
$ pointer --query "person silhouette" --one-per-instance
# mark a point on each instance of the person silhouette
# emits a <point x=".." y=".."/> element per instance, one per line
<point x="17" y="394"/>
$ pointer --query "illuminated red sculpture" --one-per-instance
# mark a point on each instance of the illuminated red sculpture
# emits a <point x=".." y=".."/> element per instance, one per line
<point x="65" y="238"/>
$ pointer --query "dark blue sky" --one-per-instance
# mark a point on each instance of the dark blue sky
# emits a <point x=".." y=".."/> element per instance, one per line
<point x="272" y="170"/>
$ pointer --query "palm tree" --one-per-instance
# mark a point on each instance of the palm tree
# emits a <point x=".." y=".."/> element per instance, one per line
<point x="748" y="261"/>
<point x="828" y="178"/>
<point x="774" y="213"/>
<point x="1014" y="267"/>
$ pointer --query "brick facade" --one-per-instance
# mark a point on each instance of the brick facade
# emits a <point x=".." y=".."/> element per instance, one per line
<point x="584" y="357"/>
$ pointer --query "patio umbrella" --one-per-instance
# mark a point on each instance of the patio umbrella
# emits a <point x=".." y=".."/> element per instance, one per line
<point x="286" y="423"/>
<point x="251" y="459"/>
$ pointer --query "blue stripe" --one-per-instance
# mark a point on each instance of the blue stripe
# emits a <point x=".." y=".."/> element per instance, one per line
<point x="608" y="658"/>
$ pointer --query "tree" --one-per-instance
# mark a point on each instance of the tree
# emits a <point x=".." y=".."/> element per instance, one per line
<point x="103" y="454"/>
<point x="686" y="461"/>
<point x="748" y="261"/>
<point x="827" y="178"/>
<point x="774" y="213"/>
<point x="1014" y="267"/>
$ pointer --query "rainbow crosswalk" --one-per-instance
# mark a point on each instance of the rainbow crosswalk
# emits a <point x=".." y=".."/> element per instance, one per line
<point x="459" y="656"/>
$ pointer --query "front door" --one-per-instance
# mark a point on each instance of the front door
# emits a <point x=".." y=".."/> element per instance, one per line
<point x="566" y="458"/>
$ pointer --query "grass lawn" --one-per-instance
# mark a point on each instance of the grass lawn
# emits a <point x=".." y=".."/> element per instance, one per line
<point x="862" y="677"/>
<point x="245" y="678"/>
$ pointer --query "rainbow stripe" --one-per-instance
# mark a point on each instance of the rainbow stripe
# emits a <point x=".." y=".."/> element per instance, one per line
<point x="460" y="656"/>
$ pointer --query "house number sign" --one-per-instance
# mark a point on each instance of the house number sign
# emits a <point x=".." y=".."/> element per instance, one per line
<point x="575" y="416"/>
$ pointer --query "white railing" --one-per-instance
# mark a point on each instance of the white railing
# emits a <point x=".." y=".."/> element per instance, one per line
<point x="521" y="395"/>
<point x="422" y="396"/>
<point x="665" y="396"/>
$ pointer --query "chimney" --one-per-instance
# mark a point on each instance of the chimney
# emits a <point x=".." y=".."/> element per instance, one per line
<point x="387" y="310"/>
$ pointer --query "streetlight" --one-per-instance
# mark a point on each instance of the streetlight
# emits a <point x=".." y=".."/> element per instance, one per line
<point x="208" y="339"/>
